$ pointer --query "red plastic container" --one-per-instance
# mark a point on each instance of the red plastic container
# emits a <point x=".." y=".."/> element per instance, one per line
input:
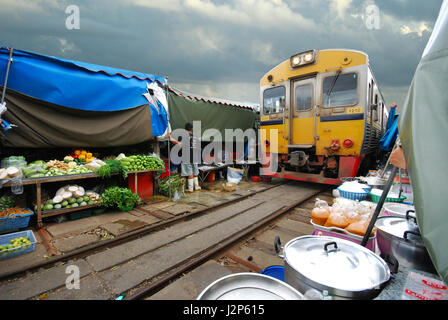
<point x="266" y="179"/>
<point x="142" y="182"/>
<point x="211" y="176"/>
<point x="255" y="179"/>
<point x="165" y="174"/>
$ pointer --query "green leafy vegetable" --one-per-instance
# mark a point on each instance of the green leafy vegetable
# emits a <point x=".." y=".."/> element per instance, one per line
<point x="119" y="197"/>
<point x="170" y="184"/>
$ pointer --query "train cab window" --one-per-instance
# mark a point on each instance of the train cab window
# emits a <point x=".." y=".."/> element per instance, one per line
<point x="304" y="97"/>
<point x="274" y="100"/>
<point x="340" y="90"/>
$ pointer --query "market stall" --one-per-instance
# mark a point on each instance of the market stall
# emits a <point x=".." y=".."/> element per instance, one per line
<point x="53" y="105"/>
<point x="215" y="116"/>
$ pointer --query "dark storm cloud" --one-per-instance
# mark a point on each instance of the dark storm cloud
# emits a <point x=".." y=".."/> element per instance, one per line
<point x="221" y="48"/>
<point x="413" y="10"/>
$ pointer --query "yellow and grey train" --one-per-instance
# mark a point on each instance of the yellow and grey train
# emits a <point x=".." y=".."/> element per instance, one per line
<point x="321" y="116"/>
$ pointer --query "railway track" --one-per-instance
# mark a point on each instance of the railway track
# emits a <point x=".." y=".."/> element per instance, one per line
<point x="249" y="251"/>
<point x="145" y="261"/>
<point x="165" y="221"/>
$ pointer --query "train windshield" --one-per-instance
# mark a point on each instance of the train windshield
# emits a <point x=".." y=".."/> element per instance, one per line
<point x="340" y="90"/>
<point x="274" y="100"/>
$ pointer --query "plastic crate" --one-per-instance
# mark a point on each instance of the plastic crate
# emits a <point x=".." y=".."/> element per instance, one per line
<point x="376" y="198"/>
<point x="81" y="214"/>
<point x="98" y="211"/>
<point x="353" y="195"/>
<point x="15" y="221"/>
<point x="14" y="252"/>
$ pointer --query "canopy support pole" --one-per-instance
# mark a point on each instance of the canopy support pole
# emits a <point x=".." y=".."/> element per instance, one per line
<point x="7" y="75"/>
<point x="169" y="136"/>
<point x="379" y="205"/>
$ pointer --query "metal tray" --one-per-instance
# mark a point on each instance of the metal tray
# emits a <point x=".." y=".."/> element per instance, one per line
<point x="249" y="286"/>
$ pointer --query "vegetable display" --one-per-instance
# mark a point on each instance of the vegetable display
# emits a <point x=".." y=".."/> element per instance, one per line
<point x="7" y="202"/>
<point x="111" y="167"/>
<point x="142" y="162"/>
<point x="170" y="184"/>
<point x="71" y="196"/>
<point x="13" y="211"/>
<point x="39" y="169"/>
<point x="16" y="243"/>
<point x="120" y="197"/>
<point x="9" y="173"/>
<point x="82" y="156"/>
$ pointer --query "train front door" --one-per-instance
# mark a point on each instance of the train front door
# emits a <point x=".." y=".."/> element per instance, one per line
<point x="302" y="114"/>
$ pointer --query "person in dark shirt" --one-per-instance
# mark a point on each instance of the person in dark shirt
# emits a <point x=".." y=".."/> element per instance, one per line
<point x="189" y="165"/>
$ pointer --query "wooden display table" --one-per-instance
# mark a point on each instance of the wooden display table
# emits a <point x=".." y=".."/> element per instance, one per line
<point x="39" y="181"/>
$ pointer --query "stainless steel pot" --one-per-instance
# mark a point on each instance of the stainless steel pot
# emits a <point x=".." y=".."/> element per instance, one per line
<point x="400" y="238"/>
<point x="343" y="268"/>
<point x="375" y="182"/>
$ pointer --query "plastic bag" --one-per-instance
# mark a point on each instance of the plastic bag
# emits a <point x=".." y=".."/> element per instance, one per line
<point x="17" y="185"/>
<point x="13" y="161"/>
<point x="177" y="195"/>
<point x="321" y="203"/>
<point x="34" y="170"/>
<point x="337" y="218"/>
<point x="234" y="175"/>
<point x="320" y="212"/>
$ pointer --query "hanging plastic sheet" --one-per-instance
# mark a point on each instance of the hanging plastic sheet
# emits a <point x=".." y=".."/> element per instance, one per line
<point x="423" y="127"/>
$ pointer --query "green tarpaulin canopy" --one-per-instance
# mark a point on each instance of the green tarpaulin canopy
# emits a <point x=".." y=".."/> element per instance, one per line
<point x="213" y="113"/>
<point x="423" y="128"/>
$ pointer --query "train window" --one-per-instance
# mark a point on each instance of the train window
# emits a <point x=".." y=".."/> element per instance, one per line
<point x="375" y="111"/>
<point x="304" y="97"/>
<point x="340" y="90"/>
<point x="274" y="100"/>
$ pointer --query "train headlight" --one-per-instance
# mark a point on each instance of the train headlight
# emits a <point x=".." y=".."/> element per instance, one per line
<point x="309" y="57"/>
<point x="302" y="59"/>
<point x="296" y="61"/>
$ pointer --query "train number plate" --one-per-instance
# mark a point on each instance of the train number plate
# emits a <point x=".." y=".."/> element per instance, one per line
<point x="353" y="110"/>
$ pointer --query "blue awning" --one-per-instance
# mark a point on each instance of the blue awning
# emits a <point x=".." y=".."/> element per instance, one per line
<point x="387" y="142"/>
<point x="75" y="84"/>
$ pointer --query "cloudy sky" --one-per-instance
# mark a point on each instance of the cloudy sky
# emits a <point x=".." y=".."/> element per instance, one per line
<point x="220" y="48"/>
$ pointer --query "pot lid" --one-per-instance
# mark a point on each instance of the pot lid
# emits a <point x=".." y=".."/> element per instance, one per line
<point x="336" y="263"/>
<point x="249" y="286"/>
<point x="399" y="227"/>
<point x="399" y="209"/>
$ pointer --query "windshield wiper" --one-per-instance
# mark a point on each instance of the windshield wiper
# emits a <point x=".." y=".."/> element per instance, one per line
<point x="333" y="84"/>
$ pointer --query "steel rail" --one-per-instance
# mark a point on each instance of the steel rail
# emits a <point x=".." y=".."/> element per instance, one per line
<point x="177" y="271"/>
<point x="126" y="237"/>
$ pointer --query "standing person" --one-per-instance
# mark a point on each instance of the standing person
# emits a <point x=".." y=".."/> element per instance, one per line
<point x="190" y="169"/>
